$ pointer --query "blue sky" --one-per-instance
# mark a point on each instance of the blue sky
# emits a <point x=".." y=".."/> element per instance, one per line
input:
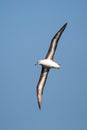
<point x="26" y="29"/>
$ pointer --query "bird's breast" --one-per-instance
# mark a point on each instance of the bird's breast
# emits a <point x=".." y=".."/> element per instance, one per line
<point x="50" y="63"/>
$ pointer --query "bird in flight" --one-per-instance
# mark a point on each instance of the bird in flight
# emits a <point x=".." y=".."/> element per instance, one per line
<point x="47" y="64"/>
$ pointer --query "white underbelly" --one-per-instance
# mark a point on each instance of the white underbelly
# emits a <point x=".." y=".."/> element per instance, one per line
<point x="50" y="63"/>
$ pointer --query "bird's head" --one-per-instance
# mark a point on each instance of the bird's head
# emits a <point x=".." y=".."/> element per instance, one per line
<point x="59" y="65"/>
<point x="38" y="62"/>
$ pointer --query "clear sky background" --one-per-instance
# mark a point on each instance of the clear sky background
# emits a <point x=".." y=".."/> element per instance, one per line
<point x="26" y="29"/>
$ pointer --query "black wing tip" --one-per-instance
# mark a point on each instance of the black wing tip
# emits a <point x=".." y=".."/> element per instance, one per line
<point x="63" y="27"/>
<point x="39" y="105"/>
<point x="39" y="100"/>
<point x="65" y="23"/>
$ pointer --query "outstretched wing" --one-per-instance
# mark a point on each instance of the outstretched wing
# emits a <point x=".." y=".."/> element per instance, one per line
<point x="54" y="43"/>
<point x="41" y="83"/>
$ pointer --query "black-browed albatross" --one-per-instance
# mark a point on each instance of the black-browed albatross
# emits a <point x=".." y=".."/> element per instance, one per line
<point x="47" y="64"/>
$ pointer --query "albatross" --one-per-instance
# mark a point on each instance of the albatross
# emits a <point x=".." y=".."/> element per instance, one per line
<point x="47" y="64"/>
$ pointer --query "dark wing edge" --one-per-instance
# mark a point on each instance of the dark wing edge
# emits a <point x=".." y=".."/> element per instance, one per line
<point x="54" y="42"/>
<point x="41" y="84"/>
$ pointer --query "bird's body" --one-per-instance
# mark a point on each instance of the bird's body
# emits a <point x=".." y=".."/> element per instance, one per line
<point x="47" y="64"/>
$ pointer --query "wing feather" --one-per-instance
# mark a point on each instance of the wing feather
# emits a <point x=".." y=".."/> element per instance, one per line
<point x="41" y="83"/>
<point x="54" y="42"/>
